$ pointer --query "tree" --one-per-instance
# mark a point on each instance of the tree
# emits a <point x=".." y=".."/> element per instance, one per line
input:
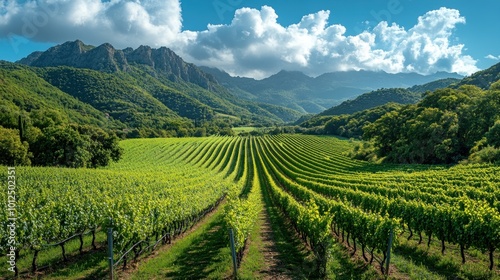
<point x="442" y="128"/>
<point x="9" y="116"/>
<point x="200" y="132"/>
<point x="61" y="146"/>
<point x="43" y="118"/>
<point x="493" y="135"/>
<point x="103" y="147"/>
<point x="12" y="150"/>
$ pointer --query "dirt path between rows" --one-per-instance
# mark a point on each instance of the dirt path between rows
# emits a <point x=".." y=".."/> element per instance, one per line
<point x="273" y="268"/>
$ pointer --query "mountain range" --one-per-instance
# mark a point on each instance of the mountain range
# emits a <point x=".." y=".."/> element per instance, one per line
<point x="156" y="89"/>
<point x="305" y="94"/>
<point x="146" y="75"/>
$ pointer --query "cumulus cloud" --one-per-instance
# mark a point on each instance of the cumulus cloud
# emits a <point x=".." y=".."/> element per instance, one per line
<point x="254" y="43"/>
<point x="490" y="56"/>
<point x="123" y="23"/>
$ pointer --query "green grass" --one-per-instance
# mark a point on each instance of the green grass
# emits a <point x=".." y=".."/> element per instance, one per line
<point x="93" y="265"/>
<point x="243" y="129"/>
<point x="203" y="254"/>
<point x="51" y="265"/>
<point x="252" y="263"/>
<point x="411" y="257"/>
<point x="226" y="116"/>
<point x="341" y="266"/>
<point x="412" y="268"/>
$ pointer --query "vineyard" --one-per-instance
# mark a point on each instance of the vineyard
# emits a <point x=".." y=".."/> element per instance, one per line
<point x="380" y="215"/>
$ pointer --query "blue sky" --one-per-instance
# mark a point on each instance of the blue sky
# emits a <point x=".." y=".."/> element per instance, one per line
<point x="258" y="38"/>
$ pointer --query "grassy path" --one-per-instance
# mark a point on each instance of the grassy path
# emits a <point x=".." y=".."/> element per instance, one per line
<point x="201" y="254"/>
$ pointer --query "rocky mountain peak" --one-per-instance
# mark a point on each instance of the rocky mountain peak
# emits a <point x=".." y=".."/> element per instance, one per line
<point x="64" y="54"/>
<point x="141" y="55"/>
<point x="108" y="59"/>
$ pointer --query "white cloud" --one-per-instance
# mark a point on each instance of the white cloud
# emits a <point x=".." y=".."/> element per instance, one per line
<point x="490" y="56"/>
<point x="255" y="41"/>
<point x="122" y="23"/>
<point x="253" y="44"/>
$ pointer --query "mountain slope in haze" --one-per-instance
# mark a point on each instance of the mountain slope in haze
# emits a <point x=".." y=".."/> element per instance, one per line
<point x="483" y="79"/>
<point x="373" y="99"/>
<point x="387" y="95"/>
<point x="376" y="98"/>
<point x="349" y="118"/>
<point x="300" y="92"/>
<point x="432" y="86"/>
<point x="154" y="74"/>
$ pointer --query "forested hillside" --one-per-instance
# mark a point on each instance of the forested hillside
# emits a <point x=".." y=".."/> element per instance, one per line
<point x="350" y="126"/>
<point x="22" y="90"/>
<point x="155" y="78"/>
<point x="447" y="126"/>
<point x="432" y="86"/>
<point x="68" y="106"/>
<point x="483" y="79"/>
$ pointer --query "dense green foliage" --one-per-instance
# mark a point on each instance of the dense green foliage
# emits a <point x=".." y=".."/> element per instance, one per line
<point x="443" y="128"/>
<point x="75" y="146"/>
<point x="348" y="126"/>
<point x="21" y="89"/>
<point x="121" y="98"/>
<point x="449" y="125"/>
<point x="348" y="118"/>
<point x="483" y="79"/>
<point x="351" y="126"/>
<point x="141" y="102"/>
<point x="136" y="197"/>
<point x="46" y="137"/>
<point x="12" y="150"/>
<point x="57" y="102"/>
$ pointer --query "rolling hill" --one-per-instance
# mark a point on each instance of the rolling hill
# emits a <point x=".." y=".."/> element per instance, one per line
<point x="373" y="99"/>
<point x="483" y="79"/>
<point x="22" y="89"/>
